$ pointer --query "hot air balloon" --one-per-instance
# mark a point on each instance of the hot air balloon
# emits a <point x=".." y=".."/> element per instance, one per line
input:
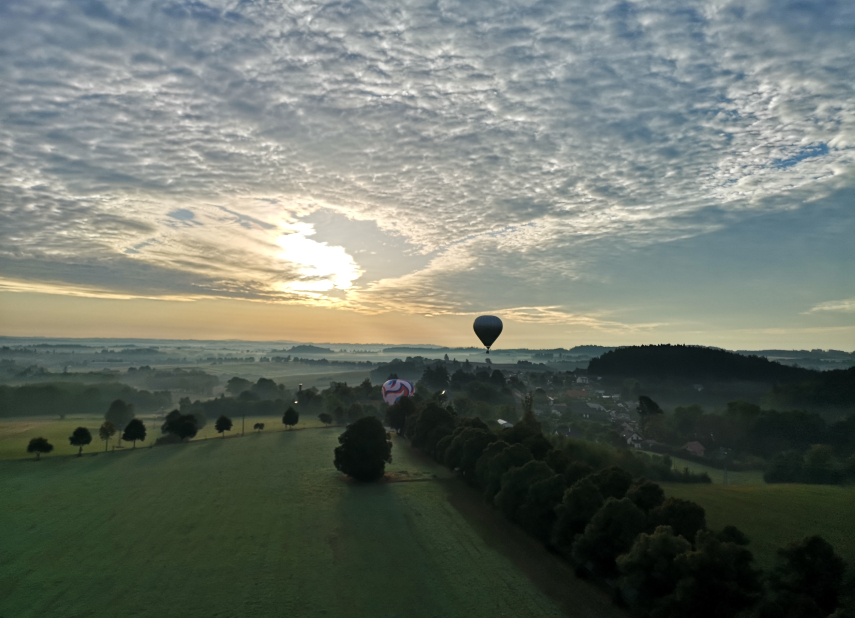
<point x="393" y="390"/>
<point x="488" y="328"/>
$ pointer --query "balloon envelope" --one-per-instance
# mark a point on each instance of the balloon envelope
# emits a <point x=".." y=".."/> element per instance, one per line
<point x="488" y="328"/>
<point x="393" y="390"/>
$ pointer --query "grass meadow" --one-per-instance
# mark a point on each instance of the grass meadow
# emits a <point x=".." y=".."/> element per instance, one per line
<point x="264" y="526"/>
<point x="16" y="434"/>
<point x="746" y="477"/>
<point x="774" y="515"/>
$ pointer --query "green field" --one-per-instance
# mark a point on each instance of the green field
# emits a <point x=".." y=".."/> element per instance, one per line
<point x="16" y="434"/>
<point x="774" y="515"/>
<point x="747" y="477"/>
<point x="265" y="526"/>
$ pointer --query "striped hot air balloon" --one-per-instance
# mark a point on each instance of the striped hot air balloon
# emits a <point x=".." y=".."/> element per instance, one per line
<point x="393" y="390"/>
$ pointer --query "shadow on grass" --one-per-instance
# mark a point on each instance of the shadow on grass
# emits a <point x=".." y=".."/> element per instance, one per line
<point x="548" y="572"/>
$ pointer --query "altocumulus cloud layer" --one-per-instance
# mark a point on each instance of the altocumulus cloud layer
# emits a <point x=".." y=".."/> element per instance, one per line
<point x="498" y="153"/>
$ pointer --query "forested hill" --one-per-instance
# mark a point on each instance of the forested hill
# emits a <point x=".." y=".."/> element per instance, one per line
<point x="694" y="363"/>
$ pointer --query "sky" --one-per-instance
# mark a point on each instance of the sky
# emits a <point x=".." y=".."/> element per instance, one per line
<point x="605" y="173"/>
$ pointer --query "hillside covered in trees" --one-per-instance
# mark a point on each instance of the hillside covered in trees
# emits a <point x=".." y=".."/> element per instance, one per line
<point x="693" y="363"/>
<point x="670" y="372"/>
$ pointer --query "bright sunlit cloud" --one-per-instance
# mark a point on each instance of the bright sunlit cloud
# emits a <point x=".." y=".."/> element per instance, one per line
<point x="321" y="268"/>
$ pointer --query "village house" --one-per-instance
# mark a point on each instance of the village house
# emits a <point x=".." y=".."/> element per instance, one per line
<point x="590" y="411"/>
<point x="632" y="439"/>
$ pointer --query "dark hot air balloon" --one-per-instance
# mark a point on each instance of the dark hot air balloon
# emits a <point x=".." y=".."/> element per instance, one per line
<point x="488" y="328"/>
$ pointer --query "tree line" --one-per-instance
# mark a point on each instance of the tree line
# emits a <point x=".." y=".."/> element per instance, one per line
<point x="71" y="398"/>
<point x="793" y="446"/>
<point x="786" y="386"/>
<point x="176" y="428"/>
<point x="693" y="363"/>
<point x="658" y="553"/>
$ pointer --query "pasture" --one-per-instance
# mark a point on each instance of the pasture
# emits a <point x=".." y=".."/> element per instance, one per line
<point x="745" y="477"/>
<point x="774" y="515"/>
<point x="265" y="526"/>
<point x="16" y="434"/>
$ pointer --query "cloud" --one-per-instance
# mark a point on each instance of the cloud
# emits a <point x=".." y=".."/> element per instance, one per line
<point x="846" y="305"/>
<point x="558" y="315"/>
<point x="180" y="149"/>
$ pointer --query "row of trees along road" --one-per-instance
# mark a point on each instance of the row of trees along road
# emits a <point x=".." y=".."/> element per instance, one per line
<point x="81" y="437"/>
<point x="177" y="427"/>
<point x="658" y="554"/>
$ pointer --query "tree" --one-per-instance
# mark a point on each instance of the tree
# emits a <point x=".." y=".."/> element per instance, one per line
<point x="716" y="579"/>
<point x="80" y="438"/>
<point x="355" y="412"/>
<point x="223" y="424"/>
<point x="785" y="467"/>
<point x="364" y="450"/>
<point x="576" y="471"/>
<point x="612" y="482"/>
<point x="466" y="448"/>
<point x="578" y="506"/>
<point x="810" y="569"/>
<point x="107" y="431"/>
<point x="435" y="378"/>
<point x="650" y="568"/>
<point x="39" y="446"/>
<point x="515" y="485"/>
<point x="538" y="445"/>
<point x="646" y="495"/>
<point x="290" y="418"/>
<point x="732" y="534"/>
<point x="183" y="426"/>
<point x="511" y="456"/>
<point x="266" y="388"/>
<point x="339" y="414"/>
<point x="647" y="409"/>
<point x="611" y="533"/>
<point x="686" y="518"/>
<point x="259" y="427"/>
<point x="422" y="427"/>
<point x="537" y="512"/>
<point x="557" y="460"/>
<point x="120" y="414"/>
<point x="482" y="466"/>
<point x="398" y="412"/>
<point x="134" y="431"/>
<point x="201" y="419"/>
<point x="325" y="418"/>
<point x="237" y="385"/>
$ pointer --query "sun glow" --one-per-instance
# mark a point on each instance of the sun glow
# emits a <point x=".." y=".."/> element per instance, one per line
<point x="322" y="268"/>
